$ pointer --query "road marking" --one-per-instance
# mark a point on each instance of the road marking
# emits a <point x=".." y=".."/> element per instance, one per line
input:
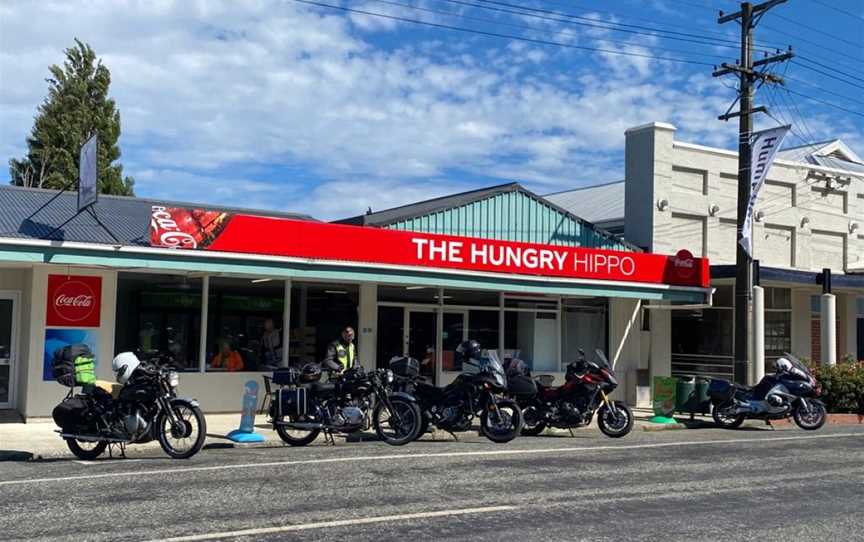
<point x="338" y="523"/>
<point x="487" y="453"/>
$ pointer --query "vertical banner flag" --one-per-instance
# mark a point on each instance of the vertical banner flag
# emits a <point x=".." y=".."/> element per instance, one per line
<point x="763" y="149"/>
<point x="87" y="192"/>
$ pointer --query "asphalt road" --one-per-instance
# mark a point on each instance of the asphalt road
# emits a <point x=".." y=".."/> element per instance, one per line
<point x="689" y="485"/>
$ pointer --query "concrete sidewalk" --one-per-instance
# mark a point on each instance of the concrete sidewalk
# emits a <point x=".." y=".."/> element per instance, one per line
<point x="38" y="439"/>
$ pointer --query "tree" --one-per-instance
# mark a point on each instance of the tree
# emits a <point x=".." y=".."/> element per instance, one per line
<point x="77" y="106"/>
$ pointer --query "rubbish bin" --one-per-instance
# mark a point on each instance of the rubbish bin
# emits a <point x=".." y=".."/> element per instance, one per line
<point x="685" y="389"/>
<point x="703" y="401"/>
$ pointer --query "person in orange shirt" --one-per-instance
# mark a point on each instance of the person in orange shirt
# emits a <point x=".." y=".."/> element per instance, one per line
<point x="227" y="358"/>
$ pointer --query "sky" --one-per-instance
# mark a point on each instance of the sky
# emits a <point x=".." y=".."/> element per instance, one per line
<point x="295" y="107"/>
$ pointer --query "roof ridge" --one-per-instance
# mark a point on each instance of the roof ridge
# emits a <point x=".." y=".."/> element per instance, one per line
<point x="599" y="185"/>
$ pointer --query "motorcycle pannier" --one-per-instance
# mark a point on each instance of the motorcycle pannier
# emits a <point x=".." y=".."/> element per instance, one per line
<point x="720" y="390"/>
<point x="74" y="365"/>
<point x="405" y="366"/>
<point x="69" y="413"/>
<point x="520" y="385"/>
<point x="292" y="403"/>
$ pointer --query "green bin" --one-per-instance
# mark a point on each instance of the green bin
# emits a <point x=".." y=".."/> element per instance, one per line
<point x="685" y="391"/>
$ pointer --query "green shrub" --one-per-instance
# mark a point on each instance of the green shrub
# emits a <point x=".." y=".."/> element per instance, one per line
<point x="842" y="385"/>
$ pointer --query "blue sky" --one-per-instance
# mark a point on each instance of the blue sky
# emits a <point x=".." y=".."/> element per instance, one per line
<point x="281" y="105"/>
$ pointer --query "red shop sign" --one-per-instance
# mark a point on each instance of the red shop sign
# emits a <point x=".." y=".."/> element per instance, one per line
<point x="74" y="301"/>
<point x="228" y="232"/>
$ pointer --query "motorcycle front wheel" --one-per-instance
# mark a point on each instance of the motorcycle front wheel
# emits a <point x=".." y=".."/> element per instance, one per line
<point x="502" y="424"/>
<point x="399" y="426"/>
<point x="532" y="421"/>
<point x="185" y="438"/>
<point x="615" y="424"/>
<point x="86" y="450"/>
<point x="725" y="419"/>
<point x="811" y="420"/>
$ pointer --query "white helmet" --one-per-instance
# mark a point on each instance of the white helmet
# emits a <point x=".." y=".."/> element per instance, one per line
<point x="783" y="365"/>
<point x="124" y="365"/>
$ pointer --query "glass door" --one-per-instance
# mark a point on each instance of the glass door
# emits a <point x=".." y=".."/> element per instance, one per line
<point x="8" y="317"/>
<point x="454" y="331"/>
<point x="420" y="339"/>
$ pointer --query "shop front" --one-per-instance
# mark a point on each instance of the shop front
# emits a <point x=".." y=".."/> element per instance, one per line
<point x="230" y="295"/>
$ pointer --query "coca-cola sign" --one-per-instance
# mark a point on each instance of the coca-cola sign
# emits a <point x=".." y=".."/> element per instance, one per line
<point x="311" y="240"/>
<point x="73" y="301"/>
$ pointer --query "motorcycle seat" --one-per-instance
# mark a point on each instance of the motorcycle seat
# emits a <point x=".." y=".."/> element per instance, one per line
<point x="319" y="388"/>
<point x="742" y="387"/>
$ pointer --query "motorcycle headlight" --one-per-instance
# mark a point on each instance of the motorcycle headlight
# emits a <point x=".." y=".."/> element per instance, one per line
<point x="173" y="379"/>
<point x="389" y="376"/>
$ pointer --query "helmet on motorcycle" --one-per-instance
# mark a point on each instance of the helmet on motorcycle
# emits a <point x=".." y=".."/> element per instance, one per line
<point x="782" y="365"/>
<point x="311" y="372"/>
<point x="124" y="365"/>
<point x="468" y="350"/>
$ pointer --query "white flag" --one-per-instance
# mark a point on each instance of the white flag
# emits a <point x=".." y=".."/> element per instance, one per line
<point x="763" y="149"/>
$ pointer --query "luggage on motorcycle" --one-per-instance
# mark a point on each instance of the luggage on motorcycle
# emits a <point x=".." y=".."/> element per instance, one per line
<point x="405" y="366"/>
<point x="286" y="376"/>
<point x="74" y="365"/>
<point x="516" y="367"/>
<point x="521" y="385"/>
<point x="720" y="390"/>
<point x="291" y="403"/>
<point x="69" y="413"/>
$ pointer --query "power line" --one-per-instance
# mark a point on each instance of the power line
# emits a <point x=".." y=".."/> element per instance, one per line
<point x="823" y="102"/>
<point x="535" y="29"/>
<point x="839" y="10"/>
<point x="817" y="63"/>
<point x="816" y="30"/>
<point x="838" y="54"/>
<point x="499" y="35"/>
<point x="822" y="89"/>
<point x="827" y="74"/>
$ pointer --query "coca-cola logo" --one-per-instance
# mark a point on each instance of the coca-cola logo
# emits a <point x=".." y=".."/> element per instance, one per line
<point x="684" y="264"/>
<point x="74" y="301"/>
<point x="166" y="230"/>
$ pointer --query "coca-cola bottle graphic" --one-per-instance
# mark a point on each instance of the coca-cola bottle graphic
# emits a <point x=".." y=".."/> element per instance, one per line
<point x="173" y="227"/>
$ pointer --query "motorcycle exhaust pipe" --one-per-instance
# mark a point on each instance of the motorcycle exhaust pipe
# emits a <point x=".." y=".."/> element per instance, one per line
<point x="91" y="438"/>
<point x="293" y="425"/>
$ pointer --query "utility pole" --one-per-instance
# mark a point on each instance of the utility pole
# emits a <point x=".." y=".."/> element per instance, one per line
<point x="748" y="74"/>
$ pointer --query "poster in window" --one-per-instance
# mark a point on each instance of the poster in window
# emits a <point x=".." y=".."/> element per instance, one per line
<point x="58" y="338"/>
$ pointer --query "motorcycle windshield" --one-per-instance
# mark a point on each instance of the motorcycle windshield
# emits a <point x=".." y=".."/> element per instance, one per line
<point x="797" y="363"/>
<point x="492" y="366"/>
<point x="601" y="360"/>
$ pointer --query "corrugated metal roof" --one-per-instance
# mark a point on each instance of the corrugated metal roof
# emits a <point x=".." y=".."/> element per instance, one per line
<point x="127" y="218"/>
<point x="599" y="203"/>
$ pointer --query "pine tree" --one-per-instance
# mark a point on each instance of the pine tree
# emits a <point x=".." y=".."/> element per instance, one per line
<point x="77" y="106"/>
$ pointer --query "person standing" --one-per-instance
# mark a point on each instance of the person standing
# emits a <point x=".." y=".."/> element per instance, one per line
<point x="271" y="344"/>
<point x="341" y="353"/>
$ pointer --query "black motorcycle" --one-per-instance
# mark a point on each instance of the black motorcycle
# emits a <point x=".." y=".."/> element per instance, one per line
<point x="791" y="391"/>
<point x="146" y="408"/>
<point x="586" y="389"/>
<point x="304" y="406"/>
<point x="473" y="393"/>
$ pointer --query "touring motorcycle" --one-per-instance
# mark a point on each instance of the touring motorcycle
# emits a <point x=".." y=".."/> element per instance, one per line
<point x="304" y="406"/>
<point x="585" y="391"/>
<point x="145" y="407"/>
<point x="790" y="391"/>
<point x="474" y="393"/>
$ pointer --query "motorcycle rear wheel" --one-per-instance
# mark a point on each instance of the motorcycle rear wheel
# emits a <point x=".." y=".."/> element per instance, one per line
<point x="296" y="437"/>
<point x="615" y="426"/>
<point x="89" y="451"/>
<point x="726" y="421"/>
<point x="512" y="420"/>
<point x="813" y="420"/>
<point x="532" y="422"/>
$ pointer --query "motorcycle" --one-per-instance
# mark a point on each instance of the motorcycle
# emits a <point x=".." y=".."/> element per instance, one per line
<point x="304" y="406"/>
<point x="788" y="392"/>
<point x="585" y="391"/>
<point x="146" y="408"/>
<point x="454" y="407"/>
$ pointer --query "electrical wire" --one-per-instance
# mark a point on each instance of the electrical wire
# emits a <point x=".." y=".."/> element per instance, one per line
<point x="839" y="10"/>
<point x="826" y="74"/>
<point x="817" y="63"/>
<point x="816" y="30"/>
<point x="823" y="102"/>
<point x="536" y="29"/>
<point x="500" y="35"/>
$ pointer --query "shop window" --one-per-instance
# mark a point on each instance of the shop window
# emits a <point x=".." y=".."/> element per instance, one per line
<point x="532" y="337"/>
<point x="319" y="312"/>
<point x="471" y="298"/>
<point x="861" y="328"/>
<point x="778" y="324"/>
<point x="483" y="327"/>
<point x="584" y="326"/>
<point x="418" y="295"/>
<point x="159" y="315"/>
<point x="244" y="322"/>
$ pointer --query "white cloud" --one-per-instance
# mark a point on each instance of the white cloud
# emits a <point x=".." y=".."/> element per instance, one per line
<point x="207" y="88"/>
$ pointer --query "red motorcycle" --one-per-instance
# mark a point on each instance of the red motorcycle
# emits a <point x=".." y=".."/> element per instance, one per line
<point x="585" y="392"/>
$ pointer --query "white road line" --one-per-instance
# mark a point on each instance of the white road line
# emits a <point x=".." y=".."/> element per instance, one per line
<point x="488" y="453"/>
<point x="339" y="523"/>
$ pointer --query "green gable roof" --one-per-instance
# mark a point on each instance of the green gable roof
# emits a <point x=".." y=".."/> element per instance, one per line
<point x="507" y="212"/>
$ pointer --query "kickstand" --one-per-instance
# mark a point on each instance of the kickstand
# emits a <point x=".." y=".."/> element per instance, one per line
<point x="454" y="435"/>
<point x="121" y="445"/>
<point x="769" y="424"/>
<point x="328" y="436"/>
<point x="571" y="432"/>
